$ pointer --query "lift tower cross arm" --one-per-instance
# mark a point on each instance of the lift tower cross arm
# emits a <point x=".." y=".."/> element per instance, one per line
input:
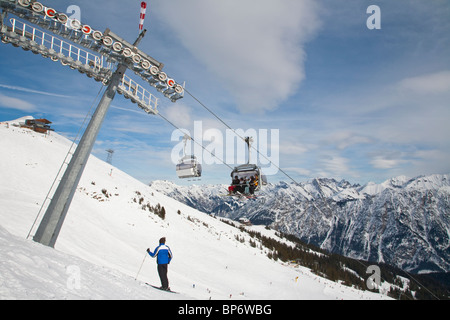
<point x="102" y="52"/>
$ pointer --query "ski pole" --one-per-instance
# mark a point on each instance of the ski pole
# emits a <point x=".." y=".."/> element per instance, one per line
<point x="141" y="266"/>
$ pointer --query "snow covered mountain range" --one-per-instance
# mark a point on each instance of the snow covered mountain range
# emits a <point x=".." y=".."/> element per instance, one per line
<point x="403" y="222"/>
<point x="111" y="222"/>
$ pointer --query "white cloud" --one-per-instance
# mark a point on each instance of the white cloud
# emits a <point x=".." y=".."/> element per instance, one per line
<point x="345" y="139"/>
<point x="293" y="149"/>
<point x="300" y="171"/>
<point x="432" y="161"/>
<point x="383" y="163"/>
<point x="51" y="94"/>
<point x="432" y="83"/>
<point x="254" y="47"/>
<point x="179" y="114"/>
<point x="333" y="165"/>
<point x="14" y="103"/>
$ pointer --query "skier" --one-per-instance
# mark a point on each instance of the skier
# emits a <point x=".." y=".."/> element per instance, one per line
<point x="164" y="256"/>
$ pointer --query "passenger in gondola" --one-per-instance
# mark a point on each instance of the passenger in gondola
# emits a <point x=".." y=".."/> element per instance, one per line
<point x="252" y="185"/>
<point x="241" y="187"/>
<point x="246" y="186"/>
<point x="234" y="185"/>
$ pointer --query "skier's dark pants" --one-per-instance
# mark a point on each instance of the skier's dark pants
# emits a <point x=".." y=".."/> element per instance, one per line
<point x="162" y="271"/>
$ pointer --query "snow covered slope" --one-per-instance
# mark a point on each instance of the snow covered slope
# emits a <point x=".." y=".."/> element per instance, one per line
<point x="31" y="271"/>
<point x="107" y="230"/>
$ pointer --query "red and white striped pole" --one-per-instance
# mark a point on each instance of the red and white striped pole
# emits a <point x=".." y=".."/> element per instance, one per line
<point x="142" y="16"/>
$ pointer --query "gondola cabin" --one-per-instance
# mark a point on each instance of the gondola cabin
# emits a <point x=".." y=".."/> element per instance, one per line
<point x="189" y="167"/>
<point x="246" y="171"/>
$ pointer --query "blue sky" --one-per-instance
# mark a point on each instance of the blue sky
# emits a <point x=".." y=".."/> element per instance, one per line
<point x="348" y="102"/>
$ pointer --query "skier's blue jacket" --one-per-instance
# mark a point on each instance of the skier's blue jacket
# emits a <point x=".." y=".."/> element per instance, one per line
<point x="163" y="253"/>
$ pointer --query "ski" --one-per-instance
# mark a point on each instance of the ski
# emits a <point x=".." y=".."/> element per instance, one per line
<point x="159" y="288"/>
<point x="239" y="195"/>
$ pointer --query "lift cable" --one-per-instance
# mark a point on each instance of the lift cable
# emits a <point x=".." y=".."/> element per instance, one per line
<point x="199" y="144"/>
<point x="238" y="135"/>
